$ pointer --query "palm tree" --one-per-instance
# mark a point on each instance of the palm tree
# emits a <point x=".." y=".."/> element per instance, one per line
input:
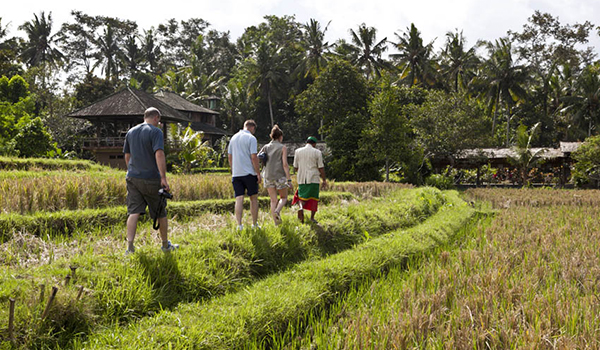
<point x="237" y="102"/>
<point x="151" y="51"/>
<point x="316" y="47"/>
<point x="9" y="53"/>
<point x="585" y="101"/>
<point x="415" y="57"/>
<point x="365" y="52"/>
<point x="267" y="72"/>
<point x="503" y="81"/>
<point x="40" y="46"/>
<point x="132" y="55"/>
<point x="108" y="53"/>
<point x="525" y="157"/>
<point x="458" y="64"/>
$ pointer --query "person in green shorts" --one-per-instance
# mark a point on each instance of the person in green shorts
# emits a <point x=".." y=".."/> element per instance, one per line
<point x="308" y="162"/>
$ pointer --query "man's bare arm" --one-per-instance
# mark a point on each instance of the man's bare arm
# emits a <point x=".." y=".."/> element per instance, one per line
<point x="161" y="162"/>
<point x="256" y="165"/>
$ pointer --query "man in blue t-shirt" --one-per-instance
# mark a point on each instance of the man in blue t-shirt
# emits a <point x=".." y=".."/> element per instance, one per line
<point x="146" y="175"/>
<point x="245" y="171"/>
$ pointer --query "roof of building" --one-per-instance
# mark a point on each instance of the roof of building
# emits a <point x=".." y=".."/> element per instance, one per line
<point x="180" y="103"/>
<point x="569" y="147"/>
<point x="505" y="153"/>
<point x="128" y="102"/>
<point x="208" y="129"/>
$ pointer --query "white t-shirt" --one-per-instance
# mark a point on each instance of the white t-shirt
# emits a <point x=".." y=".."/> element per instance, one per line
<point x="241" y="147"/>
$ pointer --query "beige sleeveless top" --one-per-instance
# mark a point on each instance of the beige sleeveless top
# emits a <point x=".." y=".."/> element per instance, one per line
<point x="274" y="168"/>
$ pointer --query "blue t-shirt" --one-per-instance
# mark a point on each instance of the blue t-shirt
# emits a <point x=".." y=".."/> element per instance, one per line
<point x="141" y="142"/>
<point x="241" y="147"/>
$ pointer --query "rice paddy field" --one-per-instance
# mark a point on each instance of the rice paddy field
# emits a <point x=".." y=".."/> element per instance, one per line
<point x="387" y="267"/>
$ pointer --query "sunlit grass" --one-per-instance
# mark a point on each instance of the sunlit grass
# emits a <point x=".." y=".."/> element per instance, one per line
<point x="27" y="192"/>
<point x="214" y="259"/>
<point x="251" y="317"/>
<point x="526" y="279"/>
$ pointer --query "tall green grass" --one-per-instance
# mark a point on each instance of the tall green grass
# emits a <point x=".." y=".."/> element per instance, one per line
<point x="250" y="318"/>
<point x="29" y="192"/>
<point x="9" y="163"/>
<point x="210" y="262"/>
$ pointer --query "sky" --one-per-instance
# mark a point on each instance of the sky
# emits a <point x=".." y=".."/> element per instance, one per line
<point x="478" y="19"/>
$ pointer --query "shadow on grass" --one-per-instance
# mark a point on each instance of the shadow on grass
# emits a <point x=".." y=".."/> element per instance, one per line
<point x="168" y="285"/>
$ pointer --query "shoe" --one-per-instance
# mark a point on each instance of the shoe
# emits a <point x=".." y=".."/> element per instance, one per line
<point x="314" y="221"/>
<point x="128" y="252"/>
<point x="170" y="247"/>
<point x="240" y="228"/>
<point x="256" y="227"/>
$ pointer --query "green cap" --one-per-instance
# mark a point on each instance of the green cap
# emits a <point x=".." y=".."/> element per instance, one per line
<point x="311" y="139"/>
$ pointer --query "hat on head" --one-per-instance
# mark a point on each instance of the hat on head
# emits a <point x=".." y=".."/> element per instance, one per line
<point x="311" y="139"/>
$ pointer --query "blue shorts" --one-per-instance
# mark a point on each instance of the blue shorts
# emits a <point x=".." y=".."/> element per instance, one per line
<point x="241" y="184"/>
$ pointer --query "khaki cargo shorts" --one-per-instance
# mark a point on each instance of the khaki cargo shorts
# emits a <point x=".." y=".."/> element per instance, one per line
<point x="142" y="193"/>
<point x="279" y="184"/>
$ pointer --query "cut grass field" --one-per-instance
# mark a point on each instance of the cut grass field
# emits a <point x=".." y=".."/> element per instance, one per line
<point x="214" y="260"/>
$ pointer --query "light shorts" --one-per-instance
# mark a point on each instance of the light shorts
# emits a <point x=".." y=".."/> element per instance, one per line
<point x="279" y="184"/>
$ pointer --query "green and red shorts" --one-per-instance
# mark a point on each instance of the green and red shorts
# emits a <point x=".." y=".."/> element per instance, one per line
<point x="309" y="195"/>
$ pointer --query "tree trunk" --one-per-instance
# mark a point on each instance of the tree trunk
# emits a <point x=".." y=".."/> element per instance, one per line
<point x="508" y="117"/>
<point x="270" y="108"/>
<point x="495" y="113"/>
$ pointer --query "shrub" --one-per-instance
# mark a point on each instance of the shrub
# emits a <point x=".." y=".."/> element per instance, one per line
<point x="440" y="181"/>
<point x="33" y="140"/>
<point x="586" y="171"/>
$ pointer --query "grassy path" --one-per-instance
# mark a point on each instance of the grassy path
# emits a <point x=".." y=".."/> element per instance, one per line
<point x="214" y="260"/>
<point x="250" y="318"/>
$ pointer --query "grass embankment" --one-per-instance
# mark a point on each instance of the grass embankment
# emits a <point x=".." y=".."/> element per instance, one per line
<point x="209" y="263"/>
<point x="251" y="317"/>
<point x="9" y="163"/>
<point x="29" y="192"/>
<point x="528" y="279"/>
<point x="66" y="222"/>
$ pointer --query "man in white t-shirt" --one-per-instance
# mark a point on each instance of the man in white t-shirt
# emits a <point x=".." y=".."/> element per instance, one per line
<point x="245" y="171"/>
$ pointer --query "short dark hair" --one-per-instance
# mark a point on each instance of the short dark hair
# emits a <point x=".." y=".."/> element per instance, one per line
<point x="276" y="132"/>
<point x="250" y="122"/>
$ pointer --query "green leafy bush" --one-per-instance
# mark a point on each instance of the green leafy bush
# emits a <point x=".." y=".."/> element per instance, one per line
<point x="440" y="181"/>
<point x="586" y="170"/>
<point x="33" y="140"/>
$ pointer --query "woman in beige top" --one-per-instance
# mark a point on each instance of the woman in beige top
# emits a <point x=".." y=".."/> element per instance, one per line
<point x="276" y="173"/>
